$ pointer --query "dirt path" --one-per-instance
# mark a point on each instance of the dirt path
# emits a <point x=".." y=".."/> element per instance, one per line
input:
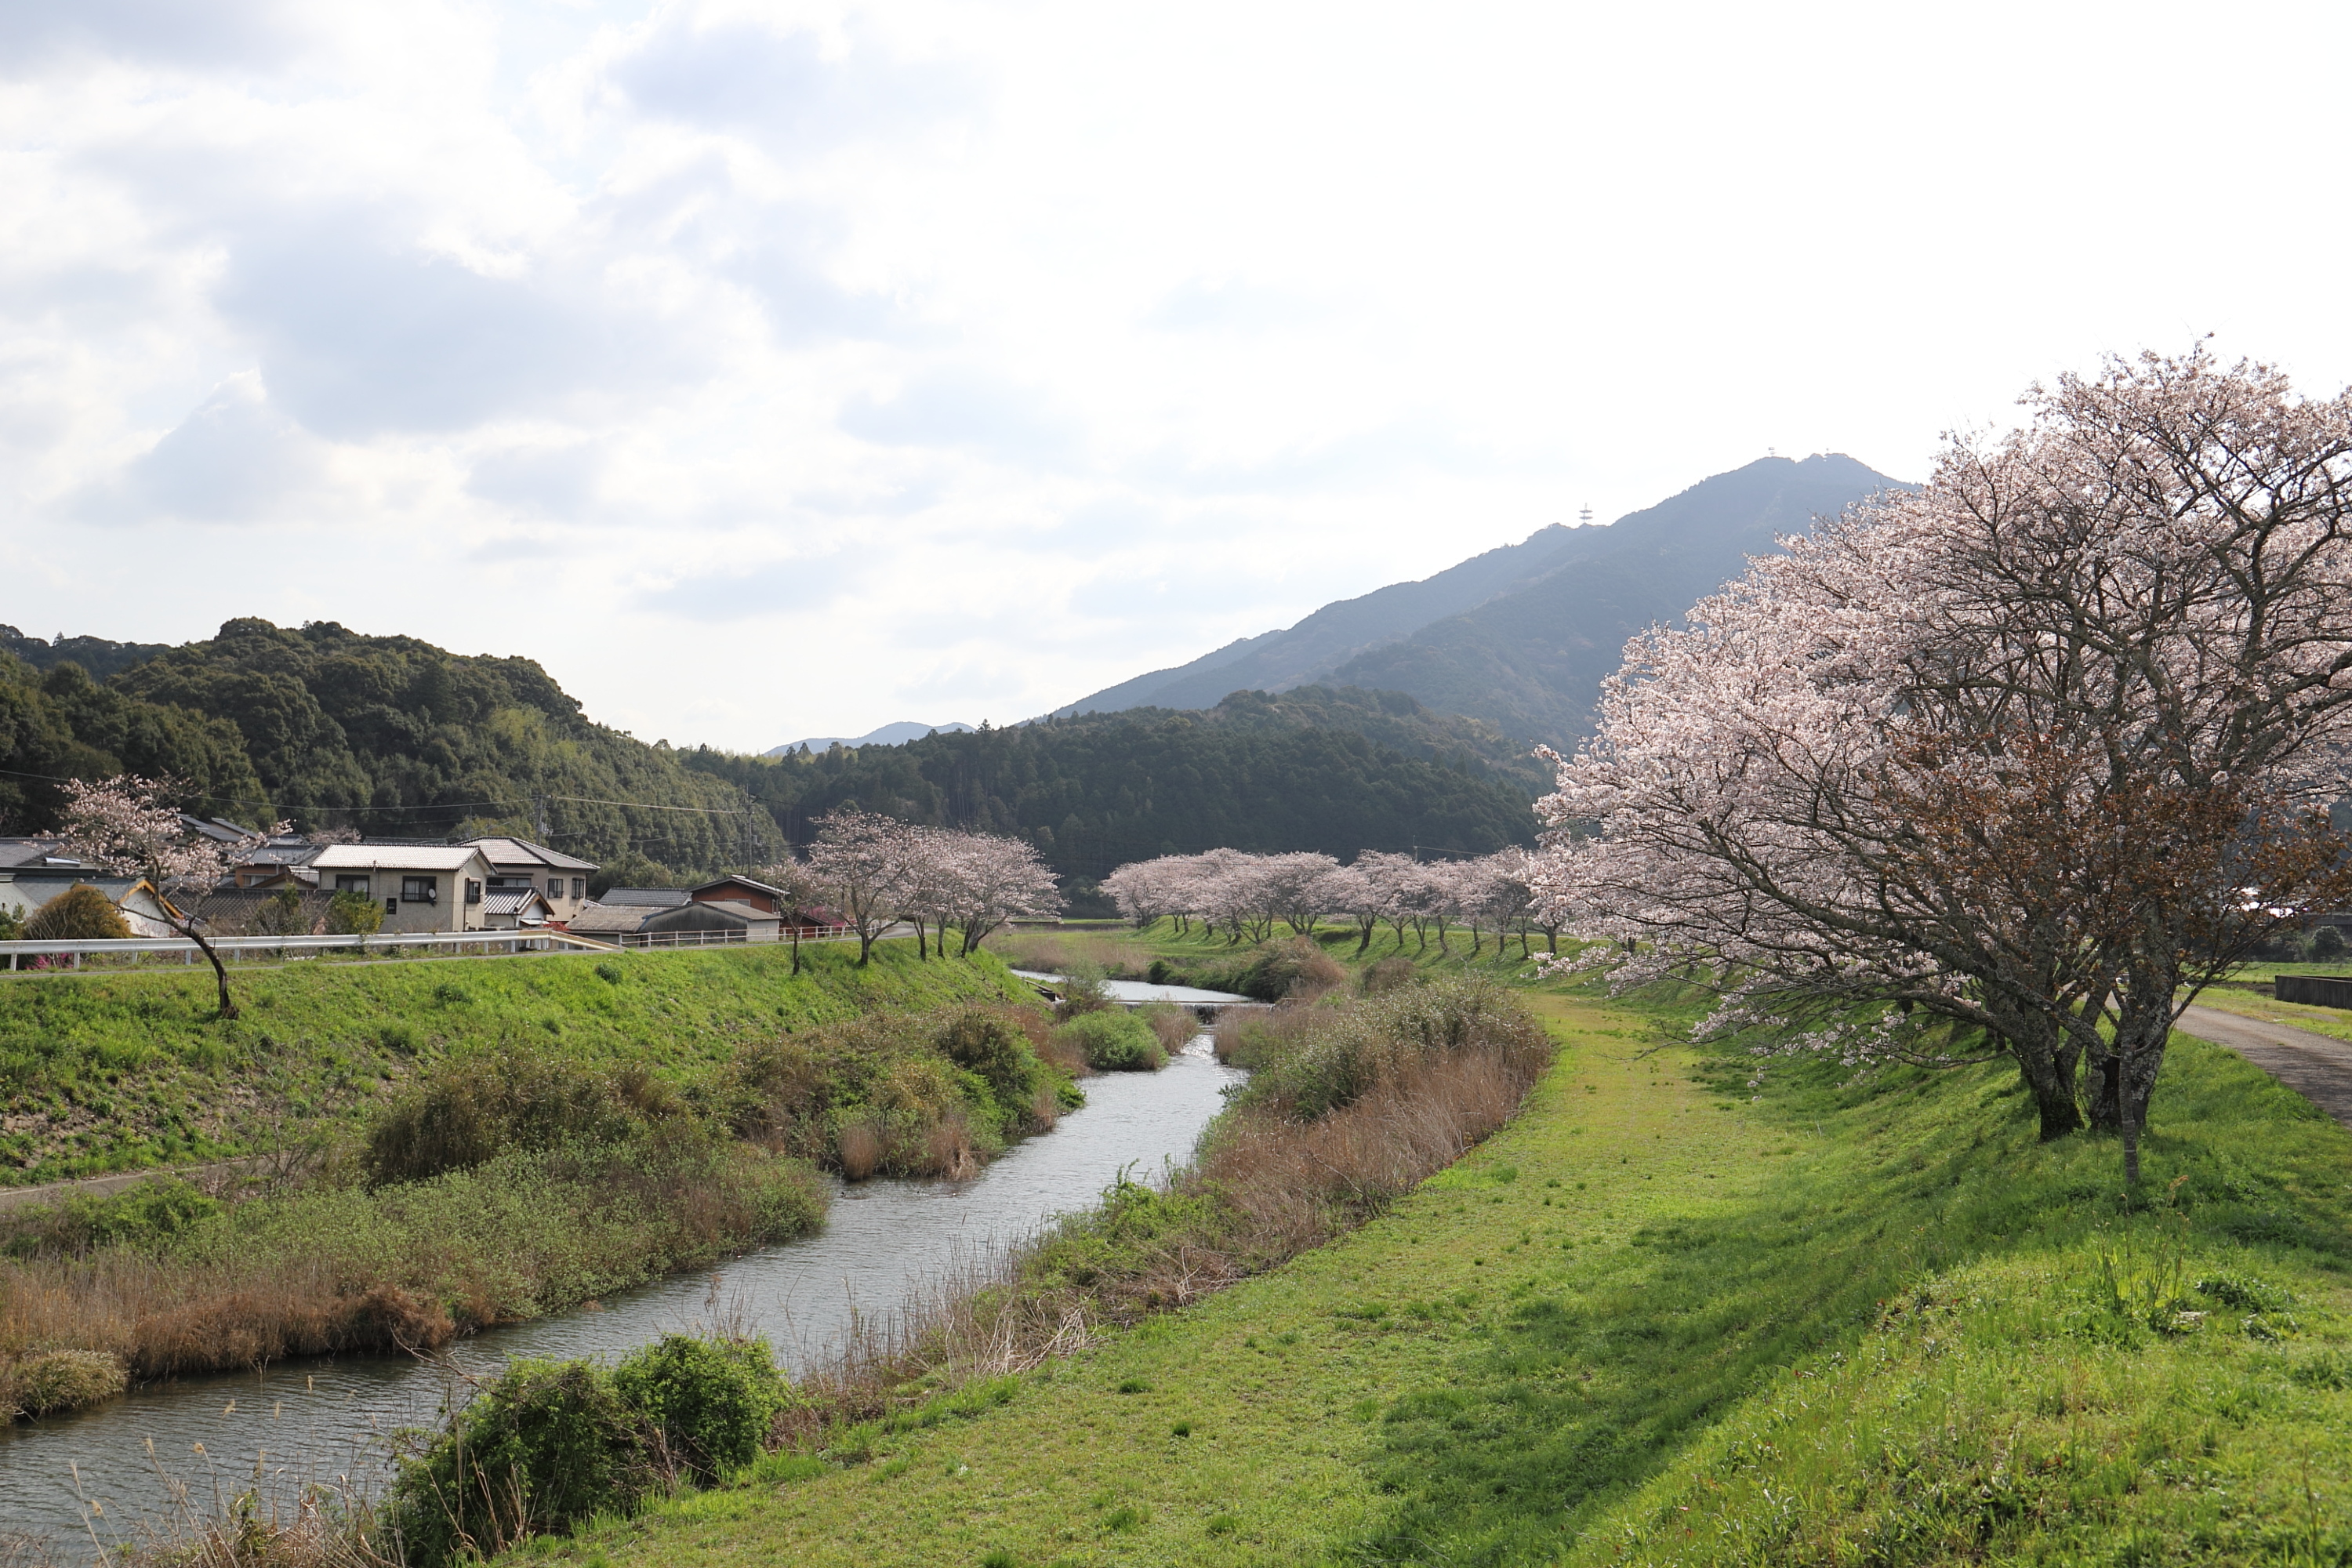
<point x="12" y="1198"/>
<point x="2313" y="1066"/>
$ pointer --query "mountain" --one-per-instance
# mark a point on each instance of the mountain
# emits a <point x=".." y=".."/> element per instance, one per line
<point x="889" y="735"/>
<point x="1522" y="637"/>
<point x="1312" y="768"/>
<point x="97" y="657"/>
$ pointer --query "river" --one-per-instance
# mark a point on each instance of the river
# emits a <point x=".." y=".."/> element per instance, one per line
<point x="323" y="1420"/>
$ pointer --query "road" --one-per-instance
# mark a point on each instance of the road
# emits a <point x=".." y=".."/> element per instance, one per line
<point x="2316" y="1066"/>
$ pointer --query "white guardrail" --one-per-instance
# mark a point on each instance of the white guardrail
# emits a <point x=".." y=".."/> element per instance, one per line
<point x="534" y="940"/>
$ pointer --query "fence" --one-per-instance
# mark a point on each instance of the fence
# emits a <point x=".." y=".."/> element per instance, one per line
<point x="46" y="954"/>
<point x="734" y="936"/>
<point x="2313" y="990"/>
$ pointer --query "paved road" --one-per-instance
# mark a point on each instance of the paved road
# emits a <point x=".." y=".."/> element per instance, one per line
<point x="2317" y="1066"/>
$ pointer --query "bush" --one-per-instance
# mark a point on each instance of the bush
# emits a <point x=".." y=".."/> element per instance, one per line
<point x="51" y="1381"/>
<point x="705" y="1403"/>
<point x="1307" y="1062"/>
<point x="1297" y="967"/>
<point x="609" y="972"/>
<point x="12" y="926"/>
<point x="80" y="913"/>
<point x="1172" y="1025"/>
<point x="1387" y="974"/>
<point x="146" y="1216"/>
<point x="543" y="1447"/>
<point x="280" y="914"/>
<point x="2327" y="944"/>
<point x="353" y="914"/>
<point x="1115" y="1040"/>
<point x="471" y="1110"/>
<point x="993" y="1051"/>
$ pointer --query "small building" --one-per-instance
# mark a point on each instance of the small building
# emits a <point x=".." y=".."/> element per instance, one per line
<point x="269" y="863"/>
<point x="258" y="908"/>
<point x="512" y="907"/>
<point x="561" y="879"/>
<point x="601" y="921"/>
<point x="422" y="886"/>
<point x="707" y="921"/>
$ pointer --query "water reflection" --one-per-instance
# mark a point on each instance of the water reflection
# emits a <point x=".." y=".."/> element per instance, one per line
<point x="326" y="1419"/>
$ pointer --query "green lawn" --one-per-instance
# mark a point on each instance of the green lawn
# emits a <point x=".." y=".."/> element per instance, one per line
<point x="1664" y="1317"/>
<point x="125" y="1069"/>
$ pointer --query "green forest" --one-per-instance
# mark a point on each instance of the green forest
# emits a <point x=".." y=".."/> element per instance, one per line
<point x="397" y="738"/>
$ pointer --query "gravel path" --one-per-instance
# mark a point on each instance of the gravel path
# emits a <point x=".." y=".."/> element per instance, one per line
<point x="2315" y="1065"/>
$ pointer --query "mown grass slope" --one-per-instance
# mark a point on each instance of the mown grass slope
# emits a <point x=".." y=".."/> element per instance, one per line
<point x="1664" y="1317"/>
<point x="122" y="1070"/>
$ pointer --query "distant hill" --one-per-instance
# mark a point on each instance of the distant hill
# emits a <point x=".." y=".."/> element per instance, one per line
<point x="1522" y="637"/>
<point x="888" y="736"/>
<point x="98" y="656"/>
<point x="1312" y="768"/>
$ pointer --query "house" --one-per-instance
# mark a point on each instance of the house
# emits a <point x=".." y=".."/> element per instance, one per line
<point x="761" y="896"/>
<point x="268" y="863"/>
<point x="561" y="879"/>
<point x="422" y="886"/>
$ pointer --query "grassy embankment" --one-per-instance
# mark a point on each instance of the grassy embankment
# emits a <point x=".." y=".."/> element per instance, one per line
<point x="1656" y="1320"/>
<point x="130" y="1070"/>
<point x="513" y="1138"/>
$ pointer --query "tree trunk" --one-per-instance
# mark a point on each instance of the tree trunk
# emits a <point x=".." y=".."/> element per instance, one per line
<point x="796" y="948"/>
<point x="220" y="972"/>
<point x="1365" y="943"/>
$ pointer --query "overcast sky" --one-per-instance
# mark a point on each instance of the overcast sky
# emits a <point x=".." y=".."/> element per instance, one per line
<point x="770" y="370"/>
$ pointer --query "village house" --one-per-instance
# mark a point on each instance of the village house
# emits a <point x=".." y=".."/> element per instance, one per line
<point x="560" y="879"/>
<point x="422" y="886"/>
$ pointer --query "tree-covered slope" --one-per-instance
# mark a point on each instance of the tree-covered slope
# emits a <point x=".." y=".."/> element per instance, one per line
<point x="387" y="734"/>
<point x="1095" y="791"/>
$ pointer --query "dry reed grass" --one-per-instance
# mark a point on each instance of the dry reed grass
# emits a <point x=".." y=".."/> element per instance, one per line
<point x="1174" y="1025"/>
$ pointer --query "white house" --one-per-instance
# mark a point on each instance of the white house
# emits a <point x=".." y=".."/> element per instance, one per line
<point x="422" y="886"/>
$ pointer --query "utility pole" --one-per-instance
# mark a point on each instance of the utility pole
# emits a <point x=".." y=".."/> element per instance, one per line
<point x="539" y="816"/>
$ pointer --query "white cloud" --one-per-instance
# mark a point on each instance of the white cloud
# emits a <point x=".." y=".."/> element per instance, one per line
<point x="1017" y="346"/>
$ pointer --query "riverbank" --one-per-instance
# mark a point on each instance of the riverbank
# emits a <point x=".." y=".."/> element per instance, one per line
<point x="1667" y="1316"/>
<point x="106" y="1073"/>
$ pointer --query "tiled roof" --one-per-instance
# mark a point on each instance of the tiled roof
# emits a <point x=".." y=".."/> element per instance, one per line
<point x="502" y="851"/>
<point x="649" y="898"/>
<point x="610" y="918"/>
<point x="396" y="857"/>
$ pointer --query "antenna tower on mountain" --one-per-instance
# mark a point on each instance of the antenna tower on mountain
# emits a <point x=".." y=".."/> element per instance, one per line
<point x="1585" y="517"/>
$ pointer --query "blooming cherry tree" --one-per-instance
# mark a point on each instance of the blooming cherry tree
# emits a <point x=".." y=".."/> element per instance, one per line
<point x="127" y="826"/>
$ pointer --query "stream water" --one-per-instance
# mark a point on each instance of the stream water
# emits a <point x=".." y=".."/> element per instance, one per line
<point x="324" y="1419"/>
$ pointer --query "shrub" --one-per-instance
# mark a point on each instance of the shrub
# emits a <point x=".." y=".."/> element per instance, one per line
<point x="353" y="914"/>
<point x="544" y="1446"/>
<point x="705" y="1403"/>
<point x="995" y="1052"/>
<point x="609" y="972"/>
<point x="52" y="1380"/>
<point x="280" y="914"/>
<point x="1307" y="1062"/>
<point x="2327" y="943"/>
<point x="1294" y="968"/>
<point x="146" y="1216"/>
<point x="80" y="913"/>
<point x="1115" y="1040"/>
<point x="12" y="926"/>
<point x="472" y="1109"/>
<point x="1082" y="993"/>
<point x="1387" y="974"/>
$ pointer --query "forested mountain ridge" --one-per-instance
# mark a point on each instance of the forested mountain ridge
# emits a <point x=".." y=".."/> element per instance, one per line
<point x="1523" y="636"/>
<point x="400" y="739"/>
<point x="387" y="734"/>
<point x="1095" y="791"/>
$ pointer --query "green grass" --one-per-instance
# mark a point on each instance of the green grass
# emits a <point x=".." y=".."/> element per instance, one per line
<point x="125" y="1071"/>
<point x="1666" y="1317"/>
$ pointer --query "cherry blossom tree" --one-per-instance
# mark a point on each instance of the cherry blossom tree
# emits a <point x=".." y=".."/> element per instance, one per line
<point x="127" y="826"/>
<point x="989" y="878"/>
<point x="859" y="860"/>
<point x="2042" y="747"/>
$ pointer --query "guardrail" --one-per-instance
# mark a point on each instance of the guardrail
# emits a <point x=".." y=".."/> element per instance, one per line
<point x="734" y="936"/>
<point x="529" y="940"/>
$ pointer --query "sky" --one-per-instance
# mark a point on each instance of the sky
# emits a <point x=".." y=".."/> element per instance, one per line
<point x="775" y="370"/>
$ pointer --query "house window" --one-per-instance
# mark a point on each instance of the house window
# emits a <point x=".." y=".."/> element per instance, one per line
<point x="579" y="886"/>
<point x="352" y="885"/>
<point x="473" y="891"/>
<point x="420" y="889"/>
<point x="555" y="886"/>
<point x="392" y="905"/>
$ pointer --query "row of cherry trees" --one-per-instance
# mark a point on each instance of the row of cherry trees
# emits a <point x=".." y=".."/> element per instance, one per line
<point x="877" y="871"/>
<point x="2044" y="746"/>
<point x="1252" y="895"/>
